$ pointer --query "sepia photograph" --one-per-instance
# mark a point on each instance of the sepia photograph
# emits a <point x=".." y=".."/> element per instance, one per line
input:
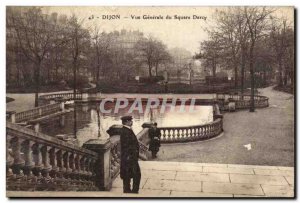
<point x="150" y="102"/>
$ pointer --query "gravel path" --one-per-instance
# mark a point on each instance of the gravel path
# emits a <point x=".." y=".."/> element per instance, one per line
<point x="269" y="131"/>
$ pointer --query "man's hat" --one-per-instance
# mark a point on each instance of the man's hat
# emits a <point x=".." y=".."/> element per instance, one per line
<point x="126" y="118"/>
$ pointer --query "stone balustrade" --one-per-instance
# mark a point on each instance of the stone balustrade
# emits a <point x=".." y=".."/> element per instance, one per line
<point x="191" y="133"/>
<point x="37" y="162"/>
<point x="36" y="112"/>
<point x="243" y="101"/>
<point x="65" y="96"/>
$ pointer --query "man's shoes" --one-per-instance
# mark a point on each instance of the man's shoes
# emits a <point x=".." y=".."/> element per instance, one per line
<point x="135" y="192"/>
<point x="127" y="191"/>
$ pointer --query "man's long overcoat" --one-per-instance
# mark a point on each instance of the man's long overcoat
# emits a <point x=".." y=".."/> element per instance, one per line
<point x="129" y="154"/>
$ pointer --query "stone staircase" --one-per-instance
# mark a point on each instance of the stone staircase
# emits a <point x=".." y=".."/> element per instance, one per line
<point x="182" y="179"/>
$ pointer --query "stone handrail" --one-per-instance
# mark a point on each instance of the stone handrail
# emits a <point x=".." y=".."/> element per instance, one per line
<point x="191" y="133"/>
<point x="36" y="162"/>
<point x="36" y="112"/>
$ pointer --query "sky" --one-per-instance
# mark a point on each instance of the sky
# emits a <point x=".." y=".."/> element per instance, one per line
<point x="184" y="33"/>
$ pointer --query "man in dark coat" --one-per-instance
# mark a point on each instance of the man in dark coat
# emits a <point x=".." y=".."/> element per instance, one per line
<point x="130" y="168"/>
<point x="154" y="134"/>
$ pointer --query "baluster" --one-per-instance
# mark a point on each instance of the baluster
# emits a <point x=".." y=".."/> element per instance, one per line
<point x="188" y="133"/>
<point x="9" y="157"/>
<point x="199" y="131"/>
<point x="207" y="131"/>
<point x="67" y="162"/>
<point x="77" y="164"/>
<point x="72" y="162"/>
<point x="18" y="163"/>
<point x="180" y="135"/>
<point x="28" y="156"/>
<point x="46" y="161"/>
<point x="163" y="134"/>
<point x="54" y="161"/>
<point x="193" y="130"/>
<point x="83" y="170"/>
<point x="195" y="133"/>
<point x="203" y="133"/>
<point x="171" y="135"/>
<point x="60" y="162"/>
<point x="72" y="168"/>
<point x="37" y="158"/>
<point x="167" y="134"/>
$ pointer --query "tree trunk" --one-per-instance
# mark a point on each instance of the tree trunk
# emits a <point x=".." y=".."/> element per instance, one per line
<point x="149" y="68"/>
<point x="74" y="95"/>
<point x="252" y="109"/>
<point x="243" y="64"/>
<point x="214" y="68"/>
<point x="285" y="78"/>
<point x="280" y="73"/>
<point x="37" y="83"/>
<point x="156" y="67"/>
<point x="235" y="75"/>
<point x="98" y="73"/>
<point x="265" y="78"/>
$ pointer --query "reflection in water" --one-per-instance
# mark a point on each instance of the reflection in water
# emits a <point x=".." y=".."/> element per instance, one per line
<point x="92" y="123"/>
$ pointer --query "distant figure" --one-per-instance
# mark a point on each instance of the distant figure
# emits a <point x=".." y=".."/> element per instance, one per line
<point x="154" y="134"/>
<point x="130" y="168"/>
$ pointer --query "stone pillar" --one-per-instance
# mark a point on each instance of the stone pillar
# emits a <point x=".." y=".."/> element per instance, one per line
<point x="62" y="120"/>
<point x="40" y="111"/>
<point x="98" y="95"/>
<point x="85" y="96"/>
<point x="85" y="107"/>
<point x="231" y="106"/>
<point x="102" y="166"/>
<point x="37" y="127"/>
<point x="13" y="118"/>
<point x="62" y="106"/>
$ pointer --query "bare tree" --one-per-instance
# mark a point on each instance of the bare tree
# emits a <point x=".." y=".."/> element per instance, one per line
<point x="152" y="52"/>
<point x="210" y="51"/>
<point x="78" y="41"/>
<point x="256" y="19"/>
<point x="161" y="55"/>
<point x="35" y="36"/>
<point x="227" y="32"/>
<point x="101" y="43"/>
<point x="282" y="40"/>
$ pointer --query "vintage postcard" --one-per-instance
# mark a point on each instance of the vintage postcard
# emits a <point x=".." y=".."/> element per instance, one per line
<point x="150" y="102"/>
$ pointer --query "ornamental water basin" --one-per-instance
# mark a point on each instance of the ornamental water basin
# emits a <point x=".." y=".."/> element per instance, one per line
<point x="91" y="122"/>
